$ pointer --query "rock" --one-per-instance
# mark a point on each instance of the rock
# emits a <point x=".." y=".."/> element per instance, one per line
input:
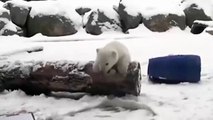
<point x="6" y="25"/>
<point x="128" y="21"/>
<point x="50" y="25"/>
<point x="209" y="30"/>
<point x="195" y="12"/>
<point x="4" y="13"/>
<point x="3" y="0"/>
<point x="198" y="26"/>
<point x="11" y="29"/>
<point x="161" y="22"/>
<point x="82" y="11"/>
<point x="4" y="17"/>
<point x="98" y="22"/>
<point x="8" y="32"/>
<point x="19" y="13"/>
<point x="2" y="24"/>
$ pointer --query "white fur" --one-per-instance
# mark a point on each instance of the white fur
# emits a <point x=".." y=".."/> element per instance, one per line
<point x="115" y="54"/>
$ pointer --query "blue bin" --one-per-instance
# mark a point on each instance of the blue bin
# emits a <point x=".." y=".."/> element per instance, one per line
<point x="174" y="69"/>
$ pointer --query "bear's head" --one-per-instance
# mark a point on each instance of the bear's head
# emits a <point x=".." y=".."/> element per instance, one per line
<point x="105" y="60"/>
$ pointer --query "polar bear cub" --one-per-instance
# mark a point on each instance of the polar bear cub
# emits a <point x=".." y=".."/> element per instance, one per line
<point x="112" y="59"/>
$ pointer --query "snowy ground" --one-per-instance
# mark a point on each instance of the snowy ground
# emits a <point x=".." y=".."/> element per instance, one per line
<point x="183" y="101"/>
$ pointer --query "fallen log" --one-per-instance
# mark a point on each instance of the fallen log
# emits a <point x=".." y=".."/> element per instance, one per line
<point x="36" y="77"/>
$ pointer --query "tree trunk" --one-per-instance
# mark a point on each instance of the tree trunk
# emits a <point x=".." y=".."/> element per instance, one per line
<point x="36" y="77"/>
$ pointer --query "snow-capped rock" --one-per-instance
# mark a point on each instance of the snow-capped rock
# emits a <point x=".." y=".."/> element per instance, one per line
<point x="163" y="22"/>
<point x="99" y="22"/>
<point x="128" y="20"/>
<point x="159" y="16"/>
<point x="19" y="12"/>
<point x="197" y="10"/>
<point x="50" y="25"/>
<point x="6" y="25"/>
<point x="52" y="18"/>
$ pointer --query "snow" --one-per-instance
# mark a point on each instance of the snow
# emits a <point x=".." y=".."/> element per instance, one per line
<point x="10" y="26"/>
<point x="184" y="101"/>
<point x="17" y="3"/>
<point x="207" y="23"/>
<point x="209" y="29"/>
<point x="26" y="116"/>
<point x="2" y="10"/>
<point x="67" y="8"/>
<point x="149" y="8"/>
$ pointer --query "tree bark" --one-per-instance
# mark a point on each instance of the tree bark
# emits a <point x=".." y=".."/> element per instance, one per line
<point x="36" y="77"/>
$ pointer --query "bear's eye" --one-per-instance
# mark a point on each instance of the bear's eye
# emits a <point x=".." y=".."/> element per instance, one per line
<point x="107" y="64"/>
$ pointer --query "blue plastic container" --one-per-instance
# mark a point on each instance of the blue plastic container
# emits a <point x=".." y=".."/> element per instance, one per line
<point x="175" y="69"/>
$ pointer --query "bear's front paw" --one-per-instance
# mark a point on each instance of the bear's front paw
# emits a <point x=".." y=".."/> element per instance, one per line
<point x="111" y="72"/>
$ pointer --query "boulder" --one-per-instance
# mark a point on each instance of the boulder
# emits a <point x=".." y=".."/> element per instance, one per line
<point x="6" y="25"/>
<point x="209" y="30"/>
<point x="163" y="22"/>
<point x="19" y="12"/>
<point x="128" y="20"/>
<point x="82" y="10"/>
<point x="50" y="25"/>
<point x="4" y="13"/>
<point x="2" y="24"/>
<point x="3" y="0"/>
<point x="195" y="12"/>
<point x="198" y="26"/>
<point x="11" y="29"/>
<point x="98" y="22"/>
<point x="4" y="17"/>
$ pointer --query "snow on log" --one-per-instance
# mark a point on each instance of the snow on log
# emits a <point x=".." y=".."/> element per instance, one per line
<point x="36" y="77"/>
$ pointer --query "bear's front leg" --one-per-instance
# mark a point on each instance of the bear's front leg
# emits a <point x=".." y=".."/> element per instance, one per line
<point x="111" y="72"/>
<point x="123" y="65"/>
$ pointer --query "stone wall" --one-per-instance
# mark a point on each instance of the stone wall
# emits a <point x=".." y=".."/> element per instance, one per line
<point x="16" y="19"/>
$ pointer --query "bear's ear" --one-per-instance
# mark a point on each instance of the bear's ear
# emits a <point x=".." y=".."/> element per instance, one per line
<point x="97" y="50"/>
<point x="114" y="54"/>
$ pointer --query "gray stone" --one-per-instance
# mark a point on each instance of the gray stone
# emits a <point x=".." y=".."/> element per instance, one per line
<point x="4" y="17"/>
<point x="7" y="31"/>
<point x="3" y="0"/>
<point x="19" y="13"/>
<point x="161" y="22"/>
<point x="5" y="14"/>
<point x="209" y="30"/>
<point x="50" y="25"/>
<point x="197" y="28"/>
<point x="127" y="20"/>
<point x="98" y="21"/>
<point x="194" y="12"/>
<point x="82" y="11"/>
<point x="2" y="24"/>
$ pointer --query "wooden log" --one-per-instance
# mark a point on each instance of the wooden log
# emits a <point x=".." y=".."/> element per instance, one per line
<point x="36" y="77"/>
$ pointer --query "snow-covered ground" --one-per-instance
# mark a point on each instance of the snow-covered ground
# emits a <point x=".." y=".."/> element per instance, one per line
<point x="185" y="101"/>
